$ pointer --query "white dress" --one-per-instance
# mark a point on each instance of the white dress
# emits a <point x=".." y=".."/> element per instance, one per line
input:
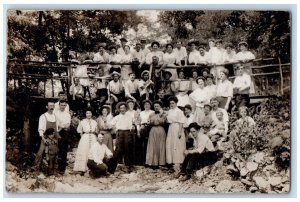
<point x="183" y="97"/>
<point x="87" y="128"/>
<point x="170" y="59"/>
<point x="199" y="98"/>
<point x="175" y="146"/>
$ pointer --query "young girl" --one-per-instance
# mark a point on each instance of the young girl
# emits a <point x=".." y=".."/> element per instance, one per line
<point x="51" y="150"/>
<point x="245" y="119"/>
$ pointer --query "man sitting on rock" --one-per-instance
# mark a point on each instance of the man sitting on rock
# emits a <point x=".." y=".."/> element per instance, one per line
<point x="100" y="159"/>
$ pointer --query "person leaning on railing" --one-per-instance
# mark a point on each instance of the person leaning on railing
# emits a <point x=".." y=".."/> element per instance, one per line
<point x="224" y="90"/>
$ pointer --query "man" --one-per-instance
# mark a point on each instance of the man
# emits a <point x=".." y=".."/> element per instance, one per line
<point x="76" y="91"/>
<point x="102" y="55"/>
<point x="46" y="121"/>
<point x="202" y="152"/>
<point x="115" y="89"/>
<point x="143" y="47"/>
<point x="181" y="53"/>
<point x="139" y="59"/>
<point x="123" y="123"/>
<point x="132" y="87"/>
<point x="216" y="58"/>
<point x="63" y="123"/>
<point x="61" y="96"/>
<point x="121" y="50"/>
<point x="100" y="159"/>
<point x="145" y="87"/>
<point x="241" y="87"/>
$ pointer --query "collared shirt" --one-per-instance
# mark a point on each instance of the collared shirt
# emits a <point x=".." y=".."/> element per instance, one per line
<point x="247" y="55"/>
<point x="115" y="87"/>
<point x="216" y="55"/>
<point x="101" y="58"/>
<point x="180" y="53"/>
<point x="131" y="86"/>
<point x="98" y="152"/>
<point x="243" y="81"/>
<point x="145" y="116"/>
<point x="194" y="57"/>
<point x="224" y="89"/>
<point x="87" y="126"/>
<point x="122" y="121"/>
<point x="139" y="55"/>
<point x="63" y="118"/>
<point x="56" y="107"/>
<point x="203" y="142"/>
<point x="43" y="122"/>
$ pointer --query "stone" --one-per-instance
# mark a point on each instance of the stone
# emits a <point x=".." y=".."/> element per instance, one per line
<point x="246" y="182"/>
<point x="252" y="166"/>
<point x="259" y="157"/>
<point x="243" y="172"/>
<point x="261" y="183"/>
<point x="224" y="186"/>
<point x="276" y="141"/>
<point x="275" y="181"/>
<point x="253" y="189"/>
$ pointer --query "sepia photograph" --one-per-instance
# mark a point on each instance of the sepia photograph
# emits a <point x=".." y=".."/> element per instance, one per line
<point x="148" y="101"/>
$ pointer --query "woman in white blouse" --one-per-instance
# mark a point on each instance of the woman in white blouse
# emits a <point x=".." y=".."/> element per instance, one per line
<point x="194" y="55"/>
<point x="224" y="90"/>
<point x="87" y="129"/>
<point x="113" y="59"/>
<point x="126" y="58"/>
<point x="155" y="52"/>
<point x="169" y="58"/>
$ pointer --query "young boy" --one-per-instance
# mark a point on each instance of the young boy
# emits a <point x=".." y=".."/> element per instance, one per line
<point x="132" y="87"/>
<point x="145" y="87"/>
<point x="50" y="151"/>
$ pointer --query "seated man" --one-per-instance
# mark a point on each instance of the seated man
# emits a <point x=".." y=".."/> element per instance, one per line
<point x="100" y="159"/>
<point x="202" y="153"/>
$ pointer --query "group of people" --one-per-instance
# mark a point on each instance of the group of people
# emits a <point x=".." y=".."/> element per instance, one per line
<point x="144" y="111"/>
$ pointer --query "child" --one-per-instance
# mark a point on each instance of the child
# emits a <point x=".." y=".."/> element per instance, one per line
<point x="245" y="119"/>
<point x="51" y="150"/>
<point x="219" y="129"/>
<point x="207" y="121"/>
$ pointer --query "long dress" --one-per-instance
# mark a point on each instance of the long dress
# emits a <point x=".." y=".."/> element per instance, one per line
<point x="156" y="148"/>
<point x="175" y="146"/>
<point x="105" y="129"/>
<point x="87" y="128"/>
<point x="199" y="98"/>
<point x="182" y="87"/>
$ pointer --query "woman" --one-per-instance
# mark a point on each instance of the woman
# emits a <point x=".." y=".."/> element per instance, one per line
<point x="156" y="148"/>
<point x="199" y="98"/>
<point x="103" y="122"/>
<point x="181" y="87"/>
<point x="113" y="59"/>
<point x="126" y="58"/>
<point x="194" y="55"/>
<point x="155" y="52"/>
<point x="245" y="118"/>
<point x="169" y="58"/>
<point x="175" y="143"/>
<point x="211" y="88"/>
<point x="194" y="84"/>
<point x="224" y="90"/>
<point x="87" y="129"/>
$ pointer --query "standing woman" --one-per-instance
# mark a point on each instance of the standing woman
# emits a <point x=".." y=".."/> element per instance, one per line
<point x="113" y="59"/>
<point x="175" y="143"/>
<point x="199" y="98"/>
<point x="103" y="122"/>
<point x="156" y="148"/>
<point x="224" y="90"/>
<point x="126" y="58"/>
<point x="181" y="88"/>
<point x="154" y="52"/>
<point x="194" y="55"/>
<point x="169" y="58"/>
<point x="87" y="129"/>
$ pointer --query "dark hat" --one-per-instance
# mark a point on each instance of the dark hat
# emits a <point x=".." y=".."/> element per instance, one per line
<point x="207" y="105"/>
<point x="173" y="98"/>
<point x="101" y="45"/>
<point x="138" y="43"/>
<point x="155" y="42"/>
<point x="144" y="72"/>
<point x="131" y="73"/>
<point x="112" y="47"/>
<point x="167" y="72"/>
<point x="119" y="104"/>
<point x="188" y="106"/>
<point x="104" y="107"/>
<point x="130" y="100"/>
<point x="243" y="43"/>
<point x="158" y="102"/>
<point x="193" y="41"/>
<point x="229" y="44"/>
<point x="201" y="47"/>
<point x="169" y="44"/>
<point x="147" y="101"/>
<point x="117" y="73"/>
<point x="123" y="39"/>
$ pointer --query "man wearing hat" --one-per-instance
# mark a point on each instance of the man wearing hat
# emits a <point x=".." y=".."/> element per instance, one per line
<point x="121" y="50"/>
<point x="101" y="56"/>
<point x="181" y="54"/>
<point x="115" y="89"/>
<point x="138" y="59"/>
<point x="132" y="87"/>
<point x="166" y="84"/>
<point x="145" y="86"/>
<point x="144" y="48"/>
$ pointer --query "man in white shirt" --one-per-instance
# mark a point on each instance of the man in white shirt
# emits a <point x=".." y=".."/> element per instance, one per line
<point x="241" y="87"/>
<point x="132" y="88"/>
<point x="46" y="120"/>
<point x="139" y="59"/>
<point x="61" y="96"/>
<point x="102" y="55"/>
<point x="202" y="152"/>
<point x="100" y="159"/>
<point x="123" y="124"/>
<point x="120" y="50"/>
<point x="144" y="48"/>
<point x="181" y="54"/>
<point x="63" y="123"/>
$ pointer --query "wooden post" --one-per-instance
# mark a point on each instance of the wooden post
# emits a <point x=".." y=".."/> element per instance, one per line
<point x="281" y="76"/>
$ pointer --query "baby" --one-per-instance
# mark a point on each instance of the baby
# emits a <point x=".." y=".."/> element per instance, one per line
<point x="219" y="129"/>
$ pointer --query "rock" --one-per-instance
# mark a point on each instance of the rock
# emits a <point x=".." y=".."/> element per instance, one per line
<point x="41" y="176"/>
<point x="224" y="186"/>
<point x="259" y="157"/>
<point x="262" y="184"/>
<point x="244" y="172"/>
<point x="252" y="166"/>
<point x="275" y="181"/>
<point x="62" y="188"/>
<point x="253" y="189"/>
<point x="231" y="168"/>
<point x="286" y="188"/>
<point x="211" y="190"/>
<point x="276" y="141"/>
<point x="246" y="182"/>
